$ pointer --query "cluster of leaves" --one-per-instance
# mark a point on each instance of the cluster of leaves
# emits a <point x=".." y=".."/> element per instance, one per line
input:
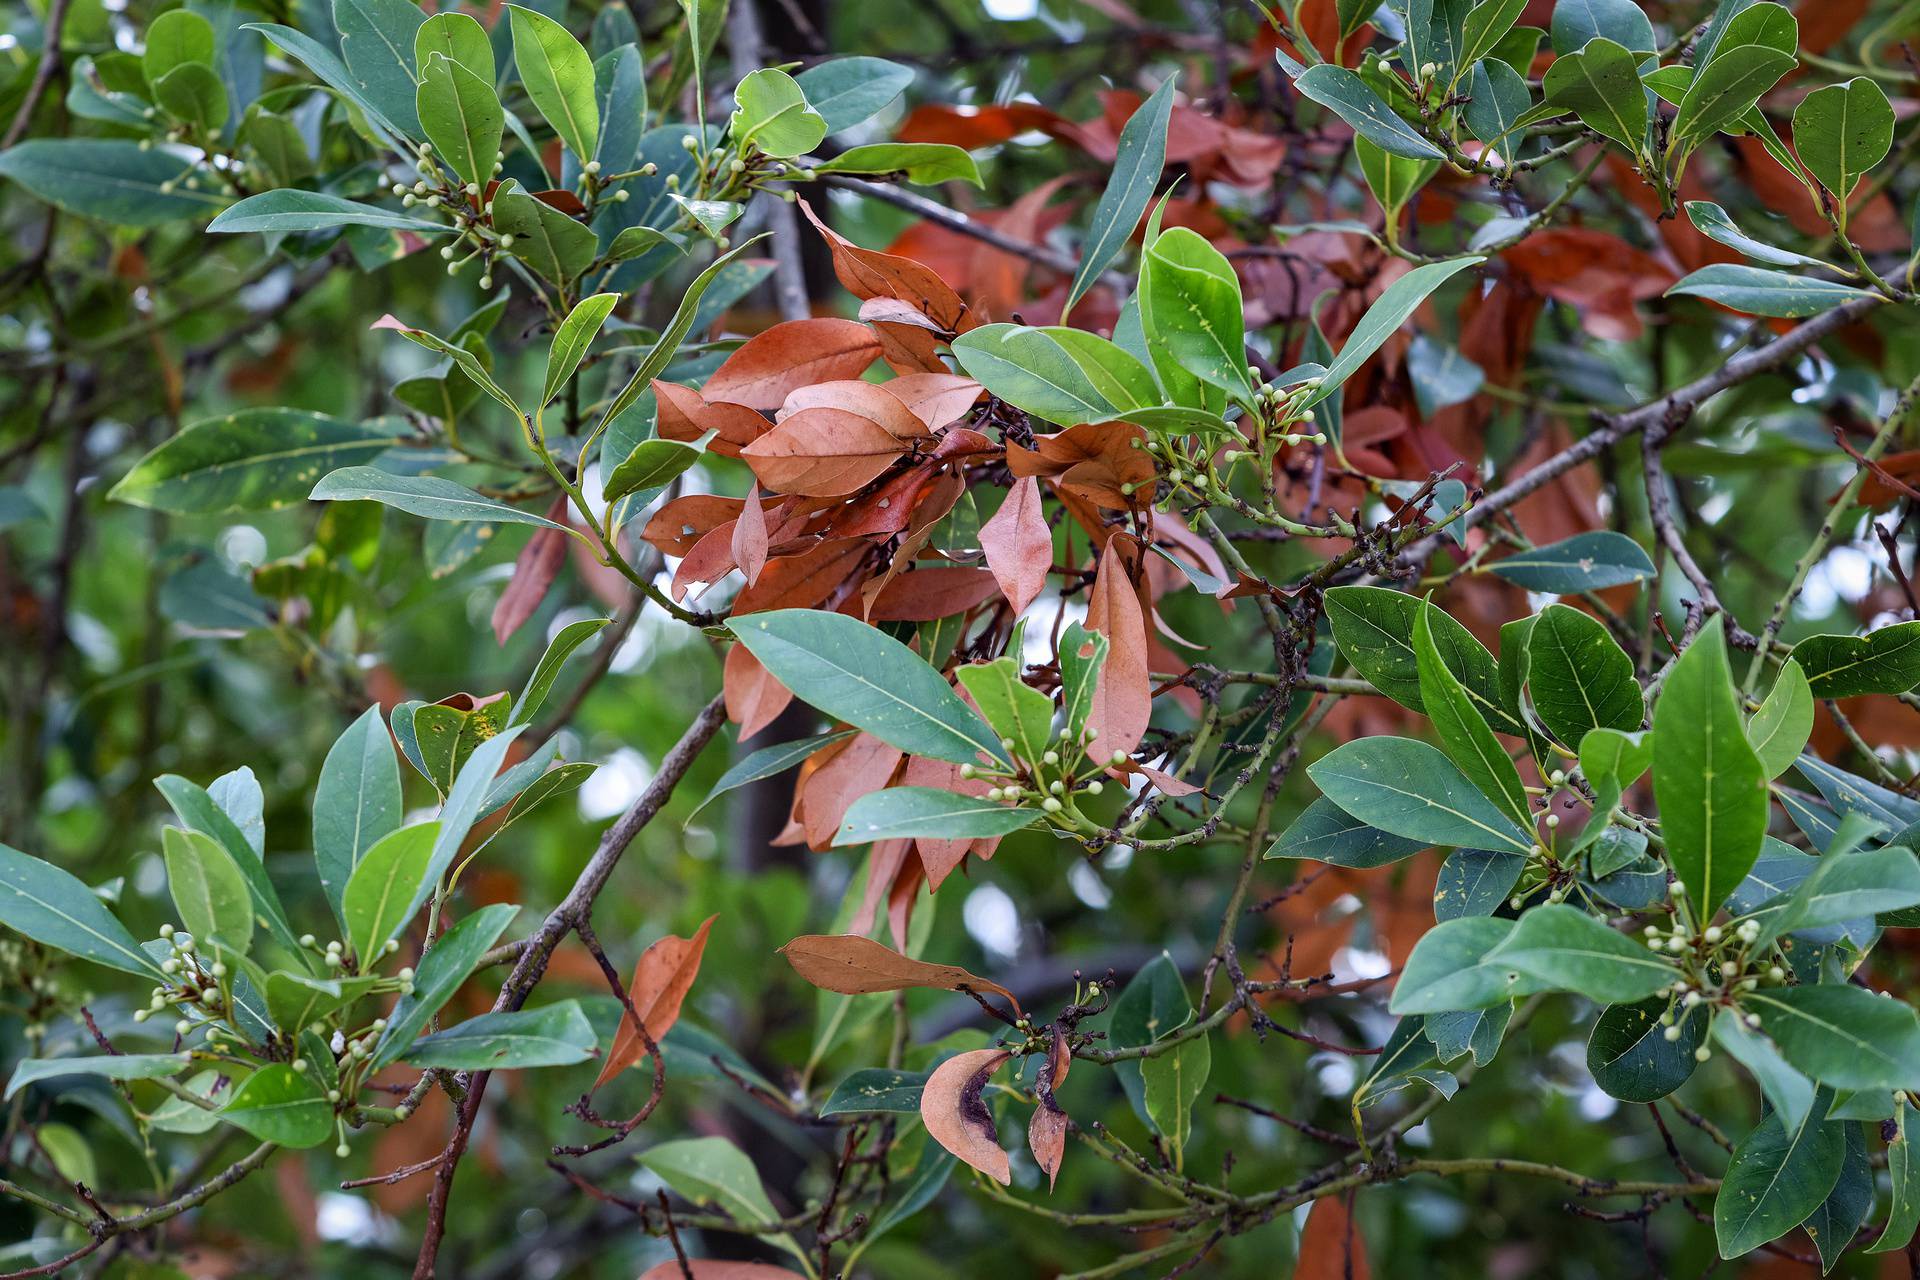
<point x="1085" y="553"/>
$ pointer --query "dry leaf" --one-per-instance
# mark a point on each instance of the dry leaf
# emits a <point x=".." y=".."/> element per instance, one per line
<point x="684" y="414"/>
<point x="798" y="353"/>
<point x="1330" y="1245"/>
<point x="823" y="453"/>
<point x="856" y="966"/>
<point x="661" y="980"/>
<point x="533" y="572"/>
<point x="868" y="399"/>
<point x="749" y="543"/>
<point x="956" y="1115"/>
<point x="754" y="698"/>
<point x="1019" y="545"/>
<point x="1047" y="1131"/>
<point x="1123" y="696"/>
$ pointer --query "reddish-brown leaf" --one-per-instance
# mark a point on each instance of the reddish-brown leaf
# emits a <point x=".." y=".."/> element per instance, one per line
<point x="1122" y="698"/>
<point x="807" y="580"/>
<point x="869" y="273"/>
<point x="1047" y="1131"/>
<point x="533" y="572"/>
<point x="686" y="415"/>
<point x="868" y="399"/>
<point x="767" y="369"/>
<point x="939" y="399"/>
<point x="1330" y="1245"/>
<point x="661" y="980"/>
<point x="856" y="966"/>
<point x="822" y="453"/>
<point x="754" y="698"/>
<point x="956" y="1115"/>
<point x="1019" y="545"/>
<point x="972" y="127"/>
<point x="931" y="591"/>
<point x="677" y="527"/>
<point x="1094" y="460"/>
<point x="861" y="765"/>
<point x="749" y="544"/>
<point x="940" y="858"/>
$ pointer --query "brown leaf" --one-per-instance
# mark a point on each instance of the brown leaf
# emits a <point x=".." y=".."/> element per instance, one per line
<point x="754" y="698"/>
<point x="1095" y="460"/>
<point x="930" y="592"/>
<point x="822" y="453"/>
<point x="860" y="765"/>
<point x="856" y="966"/>
<point x="684" y="414"/>
<point x="661" y="980"/>
<point x="749" y="542"/>
<point x="1047" y="1131"/>
<point x="868" y="399"/>
<point x="869" y="273"/>
<point x="1123" y="696"/>
<point x="1331" y="1247"/>
<point x="1019" y="545"/>
<point x="807" y="580"/>
<point x="677" y="527"/>
<point x="939" y="399"/>
<point x="956" y="1115"/>
<point x="533" y="572"/>
<point x="767" y="369"/>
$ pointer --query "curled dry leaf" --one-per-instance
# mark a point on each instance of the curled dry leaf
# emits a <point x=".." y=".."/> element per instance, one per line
<point x="661" y="980"/>
<point x="1047" y="1131"/>
<point x="822" y="453"/>
<point x="1019" y="545"/>
<point x="771" y="365"/>
<point x="956" y="1114"/>
<point x="856" y="966"/>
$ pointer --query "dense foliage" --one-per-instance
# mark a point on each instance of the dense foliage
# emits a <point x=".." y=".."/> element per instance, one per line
<point x="1314" y="666"/>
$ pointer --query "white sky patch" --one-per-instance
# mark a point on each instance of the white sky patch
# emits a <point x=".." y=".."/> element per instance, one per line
<point x="1088" y="886"/>
<point x="1351" y="964"/>
<point x="993" y="921"/>
<point x="1846" y="573"/>
<point x="614" y="785"/>
<point x="1012" y="10"/>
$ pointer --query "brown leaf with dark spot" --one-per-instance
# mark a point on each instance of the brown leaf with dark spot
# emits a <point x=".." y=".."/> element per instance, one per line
<point x="822" y="453"/>
<point x="1123" y="695"/>
<point x="956" y="1115"/>
<point x="661" y="980"/>
<point x="770" y="365"/>
<point x="1047" y="1131"/>
<point x="869" y="273"/>
<point x="1019" y="545"/>
<point x="856" y="966"/>
<point x="533" y="572"/>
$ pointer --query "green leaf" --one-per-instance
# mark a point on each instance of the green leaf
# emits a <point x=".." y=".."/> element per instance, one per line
<point x="1841" y="131"/>
<point x="1714" y="223"/>
<point x="927" y="813"/>
<point x="1577" y="22"/>
<point x="1485" y="26"/>
<point x="113" y="180"/>
<point x="1173" y="1082"/>
<point x="1464" y="732"/>
<point x="650" y="467"/>
<point x="251" y="460"/>
<point x="1776" y="1178"/>
<point x="558" y="76"/>
<point x="1847" y="886"/>
<point x="1600" y="83"/>
<point x="1190" y="303"/>
<point x="1841" y="1035"/>
<point x="178" y="37"/>
<point x="1584" y="562"/>
<point x="1779" y="730"/>
<point x="291" y="210"/>
<point x="295" y="1001"/>
<point x="923" y="163"/>
<point x="768" y="762"/>
<point x="1448" y="969"/>
<point x="1468" y="1031"/>
<point x="1571" y="950"/>
<point x="376" y="42"/>
<point x="1327" y="833"/>
<point x="1345" y="94"/>
<point x="846" y="91"/>
<point x="556" y="246"/>
<point x="771" y="113"/>
<point x="1015" y="710"/>
<point x="1141" y="155"/>
<point x="1834" y="1224"/>
<point x="1394" y="180"/>
<point x="462" y="117"/>
<point x="868" y="679"/>
<point x="1580" y="678"/>
<point x="1153" y="1005"/>
<point x="1500" y="102"/>
<point x="1883" y="661"/>
<point x="555" y="1035"/>
<point x="1632" y="1059"/>
<point x="1711" y="787"/>
<point x="335" y="74"/>
<point x="1788" y="1093"/>
<point x="1383" y="319"/>
<point x="193" y="95"/>
<point x="216" y="906"/>
<point x="429" y="497"/>
<point x="378" y="900"/>
<point x="279" y="1105"/>
<point x="1066" y="376"/>
<point x="876" y="1089"/>
<point x="442" y="969"/>
<point x="114" y="1066"/>
<point x="1474" y="882"/>
<point x="712" y="1171"/>
<point x="1903" y="1166"/>
<point x="1374" y="628"/>
<point x="570" y="342"/>
<point x="197" y="810"/>
<point x="1411" y="789"/>
<point x="356" y="803"/>
<point x="42" y="902"/>
<point x="1759" y="292"/>
<point x="1727" y="88"/>
<point x="534" y="694"/>
<point x="458" y="37"/>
